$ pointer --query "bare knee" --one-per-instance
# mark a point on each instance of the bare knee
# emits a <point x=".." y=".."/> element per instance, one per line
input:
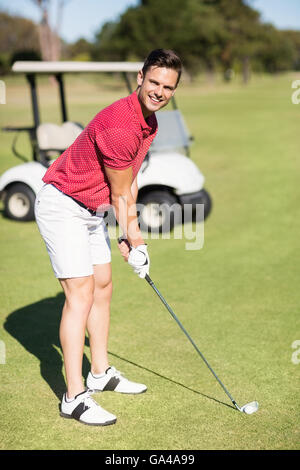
<point x="79" y="293"/>
<point x="103" y="290"/>
<point x="102" y="282"/>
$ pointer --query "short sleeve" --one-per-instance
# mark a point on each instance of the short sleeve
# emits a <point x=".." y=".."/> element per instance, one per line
<point x="118" y="147"/>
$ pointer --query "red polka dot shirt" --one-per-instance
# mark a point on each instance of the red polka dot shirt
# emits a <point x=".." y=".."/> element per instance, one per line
<point x="118" y="137"/>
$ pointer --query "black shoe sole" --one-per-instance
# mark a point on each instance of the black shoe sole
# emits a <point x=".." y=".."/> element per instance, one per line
<point x="96" y="390"/>
<point x="107" y="423"/>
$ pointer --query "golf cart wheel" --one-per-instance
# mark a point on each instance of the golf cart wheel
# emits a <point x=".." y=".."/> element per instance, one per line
<point x="19" y="203"/>
<point x="157" y="211"/>
<point x="206" y="200"/>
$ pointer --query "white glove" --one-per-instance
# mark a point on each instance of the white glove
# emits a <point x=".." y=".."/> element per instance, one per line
<point x="139" y="260"/>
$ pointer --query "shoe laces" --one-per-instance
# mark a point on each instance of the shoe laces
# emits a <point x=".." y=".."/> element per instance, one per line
<point x="117" y="373"/>
<point x="88" y="400"/>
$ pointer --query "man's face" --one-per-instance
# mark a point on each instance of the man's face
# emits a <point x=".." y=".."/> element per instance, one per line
<point x="156" y="88"/>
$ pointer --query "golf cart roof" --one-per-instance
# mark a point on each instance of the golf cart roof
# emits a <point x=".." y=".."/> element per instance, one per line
<point x="74" y="67"/>
<point x="31" y="69"/>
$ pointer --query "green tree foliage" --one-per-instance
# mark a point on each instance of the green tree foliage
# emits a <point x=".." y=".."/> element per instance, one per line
<point x="190" y="27"/>
<point x="16" y="34"/>
<point x="25" y="54"/>
<point x="293" y="38"/>
<point x="243" y="29"/>
<point x="206" y="33"/>
<point x="277" y="51"/>
<point x="79" y="50"/>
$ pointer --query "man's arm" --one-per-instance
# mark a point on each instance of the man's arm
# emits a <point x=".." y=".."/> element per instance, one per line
<point x="134" y="189"/>
<point x="123" y="199"/>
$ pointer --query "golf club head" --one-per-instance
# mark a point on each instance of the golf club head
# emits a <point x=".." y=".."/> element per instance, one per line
<point x="250" y="408"/>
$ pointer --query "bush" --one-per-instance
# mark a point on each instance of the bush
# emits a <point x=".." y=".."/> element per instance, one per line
<point x="4" y="64"/>
<point x="24" y="55"/>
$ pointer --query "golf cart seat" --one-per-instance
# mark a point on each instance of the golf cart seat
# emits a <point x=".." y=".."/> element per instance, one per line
<point x="172" y="132"/>
<point x="53" y="139"/>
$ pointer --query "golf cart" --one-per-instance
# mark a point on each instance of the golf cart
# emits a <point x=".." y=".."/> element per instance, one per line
<point x="167" y="178"/>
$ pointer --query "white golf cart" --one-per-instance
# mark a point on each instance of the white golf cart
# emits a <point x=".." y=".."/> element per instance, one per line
<point x="168" y="178"/>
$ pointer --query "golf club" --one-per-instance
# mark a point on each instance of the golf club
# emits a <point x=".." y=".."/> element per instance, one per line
<point x="248" y="408"/>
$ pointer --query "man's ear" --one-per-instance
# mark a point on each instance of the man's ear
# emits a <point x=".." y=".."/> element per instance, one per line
<point x="140" y="78"/>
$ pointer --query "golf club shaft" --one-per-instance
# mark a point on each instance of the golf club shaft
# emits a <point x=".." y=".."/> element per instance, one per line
<point x="149" y="280"/>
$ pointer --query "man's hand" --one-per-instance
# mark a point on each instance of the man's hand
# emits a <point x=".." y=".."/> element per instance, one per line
<point x="139" y="260"/>
<point x="124" y="248"/>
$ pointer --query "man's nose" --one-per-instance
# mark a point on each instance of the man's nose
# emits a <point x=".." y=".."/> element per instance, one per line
<point x="159" y="91"/>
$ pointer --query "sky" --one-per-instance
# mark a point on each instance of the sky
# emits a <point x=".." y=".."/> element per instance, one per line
<point x="84" y="18"/>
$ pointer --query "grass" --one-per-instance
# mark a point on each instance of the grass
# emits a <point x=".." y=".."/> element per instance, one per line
<point x="237" y="297"/>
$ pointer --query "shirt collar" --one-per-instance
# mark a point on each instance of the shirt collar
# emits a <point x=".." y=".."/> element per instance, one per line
<point x="138" y="109"/>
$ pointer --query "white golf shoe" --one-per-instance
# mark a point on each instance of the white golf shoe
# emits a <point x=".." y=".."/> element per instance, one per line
<point x="112" y="380"/>
<point x="84" y="409"/>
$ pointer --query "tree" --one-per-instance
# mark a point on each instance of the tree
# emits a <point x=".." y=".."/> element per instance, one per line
<point x="79" y="50"/>
<point x="243" y="31"/>
<point x="277" y="51"/>
<point x="294" y="39"/>
<point x="190" y="27"/>
<point x="16" y="35"/>
<point x="49" y="39"/>
<point x="205" y="33"/>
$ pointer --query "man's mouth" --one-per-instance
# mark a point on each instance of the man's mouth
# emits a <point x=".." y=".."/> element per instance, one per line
<point x="154" y="100"/>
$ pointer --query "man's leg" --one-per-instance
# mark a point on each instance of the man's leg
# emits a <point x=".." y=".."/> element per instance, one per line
<point x="78" y="303"/>
<point x="102" y="376"/>
<point x="77" y="403"/>
<point x="98" y="318"/>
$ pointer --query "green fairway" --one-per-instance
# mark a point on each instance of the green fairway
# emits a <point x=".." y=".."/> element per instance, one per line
<point x="238" y="296"/>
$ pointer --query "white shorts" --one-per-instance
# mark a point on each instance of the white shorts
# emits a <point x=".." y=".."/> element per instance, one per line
<point x="75" y="239"/>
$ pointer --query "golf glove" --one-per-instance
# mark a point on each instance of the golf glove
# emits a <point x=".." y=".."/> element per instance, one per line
<point x="139" y="260"/>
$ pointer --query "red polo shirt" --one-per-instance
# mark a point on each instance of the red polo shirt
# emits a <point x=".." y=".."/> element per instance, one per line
<point x="118" y="137"/>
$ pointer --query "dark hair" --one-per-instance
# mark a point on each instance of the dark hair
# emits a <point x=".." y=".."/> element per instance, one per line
<point x="163" y="58"/>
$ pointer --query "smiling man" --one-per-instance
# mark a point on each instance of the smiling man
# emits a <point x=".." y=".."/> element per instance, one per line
<point x="100" y="169"/>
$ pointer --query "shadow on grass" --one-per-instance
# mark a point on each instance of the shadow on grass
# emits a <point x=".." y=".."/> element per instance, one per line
<point x="36" y="327"/>
<point x="171" y="380"/>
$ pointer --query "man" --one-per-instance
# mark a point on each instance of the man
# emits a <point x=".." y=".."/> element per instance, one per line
<point x="100" y="168"/>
